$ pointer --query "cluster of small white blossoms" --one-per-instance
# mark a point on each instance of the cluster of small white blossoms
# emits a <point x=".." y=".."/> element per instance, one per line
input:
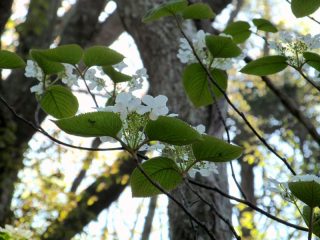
<point x="305" y="178"/>
<point x="184" y="157"/>
<point x="96" y="78"/>
<point x="135" y="114"/>
<point x="185" y="53"/>
<point x="281" y="188"/>
<point x="293" y="45"/>
<point x="17" y="233"/>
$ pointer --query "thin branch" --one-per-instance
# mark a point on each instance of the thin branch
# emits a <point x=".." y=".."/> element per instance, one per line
<point x="214" y="209"/>
<point x="308" y="79"/>
<point x="241" y="114"/>
<point x="310" y="224"/>
<point x="249" y="204"/>
<point x="87" y="87"/>
<point x="291" y="106"/>
<point x="161" y="189"/>
<point x="42" y="131"/>
<point x="236" y="182"/>
<point x="223" y="121"/>
<point x="312" y="18"/>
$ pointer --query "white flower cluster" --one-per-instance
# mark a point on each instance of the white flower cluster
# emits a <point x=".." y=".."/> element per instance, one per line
<point x="305" y="178"/>
<point x="135" y="113"/>
<point x="205" y="169"/>
<point x="127" y="103"/>
<point x="33" y="70"/>
<point x="17" y="233"/>
<point x="95" y="77"/>
<point x="280" y="188"/>
<point x="183" y="155"/>
<point x="185" y="53"/>
<point x="293" y="45"/>
<point x="68" y="77"/>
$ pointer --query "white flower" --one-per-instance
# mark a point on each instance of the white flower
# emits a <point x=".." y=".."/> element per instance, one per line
<point x="17" y="233"/>
<point x="69" y="77"/>
<point x="156" y="106"/>
<point x="293" y="45"/>
<point x="120" y="66"/>
<point x="185" y="52"/>
<point x="141" y="74"/>
<point x="305" y="178"/>
<point x="205" y="169"/>
<point x="173" y="115"/>
<point x="200" y="128"/>
<point x="286" y="36"/>
<point x="33" y="70"/>
<point x="38" y="89"/>
<point x="126" y="103"/>
<point x="95" y="82"/>
<point x="222" y="63"/>
<point x="108" y="139"/>
<point x="154" y="147"/>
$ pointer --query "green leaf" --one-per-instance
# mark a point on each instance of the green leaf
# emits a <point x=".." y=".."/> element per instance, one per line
<point x="165" y="9"/>
<point x="4" y="236"/>
<point x="221" y="78"/>
<point x="222" y="47"/>
<point x="264" y="25"/>
<point x="316" y="219"/>
<point x="71" y="53"/>
<point x="196" y="85"/>
<point x="215" y="150"/>
<point x="171" y="130"/>
<point x="59" y="102"/>
<point x="115" y="76"/>
<point x="101" y="56"/>
<point x="162" y="170"/>
<point x="265" y="66"/>
<point x="306" y="191"/>
<point x="93" y="124"/>
<point x="312" y="59"/>
<point x="303" y="8"/>
<point x="48" y="67"/>
<point x="10" y="60"/>
<point x="240" y="31"/>
<point x="198" y="11"/>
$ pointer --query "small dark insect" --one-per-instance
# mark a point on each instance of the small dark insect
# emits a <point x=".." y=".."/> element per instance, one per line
<point x="92" y="122"/>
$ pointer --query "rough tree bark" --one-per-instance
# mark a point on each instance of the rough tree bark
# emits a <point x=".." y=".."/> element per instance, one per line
<point x="158" y="44"/>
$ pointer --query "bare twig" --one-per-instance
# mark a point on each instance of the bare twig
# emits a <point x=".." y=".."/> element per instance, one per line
<point x="214" y="209"/>
<point x="161" y="189"/>
<point x="312" y="18"/>
<point x="249" y="204"/>
<point x="291" y="106"/>
<point x="42" y="131"/>
<point x="241" y="114"/>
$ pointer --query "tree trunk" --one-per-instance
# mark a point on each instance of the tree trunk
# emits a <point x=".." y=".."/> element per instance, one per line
<point x="158" y="43"/>
<point x="14" y="135"/>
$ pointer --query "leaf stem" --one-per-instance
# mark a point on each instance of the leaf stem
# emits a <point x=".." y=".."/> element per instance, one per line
<point x="310" y="224"/>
